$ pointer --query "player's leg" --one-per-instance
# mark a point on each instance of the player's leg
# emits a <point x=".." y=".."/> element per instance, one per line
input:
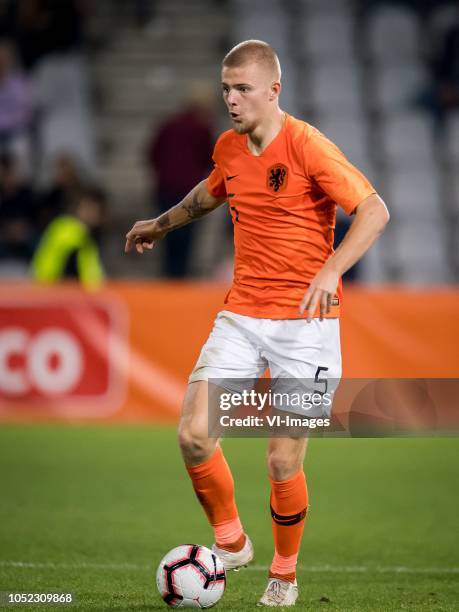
<point x="207" y="467"/>
<point x="304" y="351"/>
<point x="227" y="354"/>
<point x="194" y="441"/>
<point x="289" y="504"/>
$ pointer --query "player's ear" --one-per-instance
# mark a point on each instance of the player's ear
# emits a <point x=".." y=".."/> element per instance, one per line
<point x="275" y="90"/>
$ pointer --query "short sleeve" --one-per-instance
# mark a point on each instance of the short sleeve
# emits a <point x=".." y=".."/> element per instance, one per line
<point x="216" y="184"/>
<point x="334" y="173"/>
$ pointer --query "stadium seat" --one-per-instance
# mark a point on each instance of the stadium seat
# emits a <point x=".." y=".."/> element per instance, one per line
<point x="414" y="194"/>
<point x="68" y="132"/>
<point x="62" y="95"/>
<point x="257" y="7"/>
<point x="316" y="42"/>
<point x="272" y="27"/>
<point x="421" y="250"/>
<point x="319" y="6"/>
<point x="61" y="81"/>
<point x="393" y="34"/>
<point x="452" y="138"/>
<point x="455" y="244"/>
<point x="397" y="85"/>
<point x="335" y="86"/>
<point x="289" y="102"/>
<point x="349" y="133"/>
<point x="373" y="268"/>
<point x="454" y="182"/>
<point x="406" y="138"/>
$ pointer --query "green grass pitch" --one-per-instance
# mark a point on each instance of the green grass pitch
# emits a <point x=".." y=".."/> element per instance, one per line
<point x="91" y="510"/>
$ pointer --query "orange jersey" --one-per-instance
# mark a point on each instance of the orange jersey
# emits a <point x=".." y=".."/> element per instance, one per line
<point x="283" y="206"/>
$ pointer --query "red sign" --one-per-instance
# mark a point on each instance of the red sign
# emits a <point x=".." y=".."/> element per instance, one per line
<point x="68" y="354"/>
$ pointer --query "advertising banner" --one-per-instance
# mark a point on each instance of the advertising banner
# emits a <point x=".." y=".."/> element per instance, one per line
<point x="125" y="353"/>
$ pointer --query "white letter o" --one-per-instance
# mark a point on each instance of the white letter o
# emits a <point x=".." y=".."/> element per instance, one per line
<point x="63" y="378"/>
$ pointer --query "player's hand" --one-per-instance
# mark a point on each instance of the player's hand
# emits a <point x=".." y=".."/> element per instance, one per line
<point x="143" y="235"/>
<point x="321" y="292"/>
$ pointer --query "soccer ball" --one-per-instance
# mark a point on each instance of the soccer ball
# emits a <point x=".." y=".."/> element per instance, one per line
<point x="191" y="576"/>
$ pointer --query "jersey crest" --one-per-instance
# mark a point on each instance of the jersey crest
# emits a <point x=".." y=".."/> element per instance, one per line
<point x="277" y="177"/>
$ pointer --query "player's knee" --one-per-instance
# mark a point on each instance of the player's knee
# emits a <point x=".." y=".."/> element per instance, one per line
<point x="195" y="446"/>
<point x="190" y="441"/>
<point x="281" y="466"/>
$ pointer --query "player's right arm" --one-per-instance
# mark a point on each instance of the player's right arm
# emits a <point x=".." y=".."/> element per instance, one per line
<point x="198" y="203"/>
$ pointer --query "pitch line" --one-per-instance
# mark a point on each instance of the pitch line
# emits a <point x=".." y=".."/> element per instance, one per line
<point x="339" y="569"/>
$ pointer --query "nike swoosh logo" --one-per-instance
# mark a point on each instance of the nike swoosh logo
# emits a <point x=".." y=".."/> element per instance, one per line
<point x="228" y="178"/>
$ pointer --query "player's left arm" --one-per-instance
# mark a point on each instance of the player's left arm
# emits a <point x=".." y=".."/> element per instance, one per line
<point x="371" y="217"/>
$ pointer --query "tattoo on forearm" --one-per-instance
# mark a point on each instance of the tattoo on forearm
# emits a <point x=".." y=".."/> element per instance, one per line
<point x="194" y="209"/>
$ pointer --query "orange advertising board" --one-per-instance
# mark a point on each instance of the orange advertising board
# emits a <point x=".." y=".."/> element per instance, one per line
<point x="125" y="353"/>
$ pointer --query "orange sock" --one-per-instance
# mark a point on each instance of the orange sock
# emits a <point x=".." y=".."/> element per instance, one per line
<point x="289" y="503"/>
<point x="214" y="487"/>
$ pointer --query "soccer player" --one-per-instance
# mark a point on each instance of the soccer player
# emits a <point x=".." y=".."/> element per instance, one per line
<point x="282" y="180"/>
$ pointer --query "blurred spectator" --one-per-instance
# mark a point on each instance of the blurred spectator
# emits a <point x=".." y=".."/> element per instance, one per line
<point x="15" y="106"/>
<point x="179" y="155"/>
<point x="65" y="190"/>
<point x="69" y="247"/>
<point x="43" y="27"/>
<point x="446" y="69"/>
<point x="443" y="94"/>
<point x="49" y="35"/>
<point x="17" y="214"/>
<point x="145" y="15"/>
<point x="143" y="12"/>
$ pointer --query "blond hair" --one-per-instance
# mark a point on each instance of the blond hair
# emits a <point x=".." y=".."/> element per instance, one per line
<point x="253" y="51"/>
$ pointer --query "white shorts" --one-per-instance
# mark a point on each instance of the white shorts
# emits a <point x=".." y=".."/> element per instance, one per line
<point x="242" y="347"/>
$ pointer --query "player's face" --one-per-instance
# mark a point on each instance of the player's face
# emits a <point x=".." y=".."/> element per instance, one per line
<point x="248" y="95"/>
